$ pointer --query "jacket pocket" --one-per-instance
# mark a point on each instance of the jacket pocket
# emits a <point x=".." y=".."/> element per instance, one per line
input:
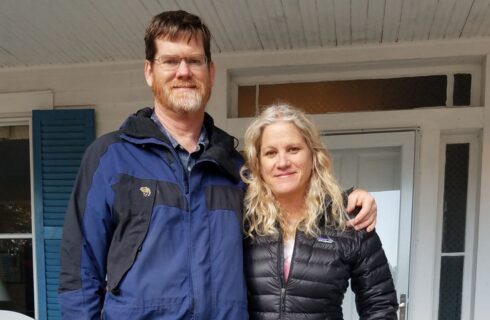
<point x="134" y="199"/>
<point x="123" y="308"/>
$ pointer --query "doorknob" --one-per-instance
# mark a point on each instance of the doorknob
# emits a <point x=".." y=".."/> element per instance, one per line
<point x="403" y="305"/>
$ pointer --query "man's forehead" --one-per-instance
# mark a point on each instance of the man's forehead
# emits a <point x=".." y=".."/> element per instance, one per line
<point x="187" y="37"/>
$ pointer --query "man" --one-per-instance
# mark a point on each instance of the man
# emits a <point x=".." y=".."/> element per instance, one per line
<point x="153" y="228"/>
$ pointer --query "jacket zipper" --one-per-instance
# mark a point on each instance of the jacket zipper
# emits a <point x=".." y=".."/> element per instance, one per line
<point x="280" y="268"/>
<point x="186" y="185"/>
<point x="188" y="196"/>
<point x="187" y="192"/>
<point x="283" y="302"/>
<point x="284" y="282"/>
<point x="188" y="189"/>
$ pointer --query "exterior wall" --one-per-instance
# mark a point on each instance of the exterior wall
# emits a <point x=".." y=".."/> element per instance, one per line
<point x="116" y="90"/>
<point x="113" y="90"/>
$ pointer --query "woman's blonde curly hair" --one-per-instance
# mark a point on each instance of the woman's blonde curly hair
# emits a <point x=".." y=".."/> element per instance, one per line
<point x="262" y="213"/>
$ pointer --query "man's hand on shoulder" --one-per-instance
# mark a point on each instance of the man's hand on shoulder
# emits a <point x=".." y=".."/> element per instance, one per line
<point x="366" y="218"/>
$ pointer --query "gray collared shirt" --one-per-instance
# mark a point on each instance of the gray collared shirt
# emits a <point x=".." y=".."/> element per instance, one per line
<point x="187" y="159"/>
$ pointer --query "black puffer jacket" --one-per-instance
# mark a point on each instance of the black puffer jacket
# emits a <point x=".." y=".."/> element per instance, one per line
<point x="318" y="278"/>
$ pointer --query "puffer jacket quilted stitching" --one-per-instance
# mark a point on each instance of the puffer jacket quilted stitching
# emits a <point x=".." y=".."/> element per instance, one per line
<point x="320" y="270"/>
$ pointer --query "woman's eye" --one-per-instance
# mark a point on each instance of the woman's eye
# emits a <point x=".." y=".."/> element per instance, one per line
<point x="294" y="149"/>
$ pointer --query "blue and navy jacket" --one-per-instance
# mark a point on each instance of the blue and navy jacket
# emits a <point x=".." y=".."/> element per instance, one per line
<point x="146" y="239"/>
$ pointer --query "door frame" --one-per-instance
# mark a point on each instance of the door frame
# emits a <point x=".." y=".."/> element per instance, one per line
<point x="471" y="234"/>
<point x="406" y="140"/>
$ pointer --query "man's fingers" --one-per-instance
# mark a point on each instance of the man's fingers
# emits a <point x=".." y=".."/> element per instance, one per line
<point x="351" y="203"/>
<point x="362" y="219"/>
<point x="369" y="223"/>
<point x="366" y="217"/>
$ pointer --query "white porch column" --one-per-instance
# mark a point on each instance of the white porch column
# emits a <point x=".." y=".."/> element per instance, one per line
<point x="482" y="286"/>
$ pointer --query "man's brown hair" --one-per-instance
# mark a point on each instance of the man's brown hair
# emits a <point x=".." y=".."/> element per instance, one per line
<point x="173" y="25"/>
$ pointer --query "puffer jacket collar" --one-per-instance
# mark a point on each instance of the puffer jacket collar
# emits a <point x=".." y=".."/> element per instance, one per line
<point x="221" y="148"/>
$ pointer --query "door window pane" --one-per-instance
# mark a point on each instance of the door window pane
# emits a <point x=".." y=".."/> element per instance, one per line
<point x="453" y="230"/>
<point x="455" y="197"/>
<point x="451" y="288"/>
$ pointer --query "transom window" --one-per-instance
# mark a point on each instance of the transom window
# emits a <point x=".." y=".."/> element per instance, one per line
<point x="360" y="95"/>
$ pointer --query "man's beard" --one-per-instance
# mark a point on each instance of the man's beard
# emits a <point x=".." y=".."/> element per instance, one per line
<point x="187" y="101"/>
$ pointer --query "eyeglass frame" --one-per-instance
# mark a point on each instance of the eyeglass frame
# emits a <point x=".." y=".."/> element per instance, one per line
<point x="201" y="58"/>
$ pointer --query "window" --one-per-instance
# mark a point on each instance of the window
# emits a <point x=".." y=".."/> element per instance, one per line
<point x="457" y="227"/>
<point x="348" y="95"/>
<point x="361" y="86"/>
<point x="462" y="89"/>
<point x="16" y="258"/>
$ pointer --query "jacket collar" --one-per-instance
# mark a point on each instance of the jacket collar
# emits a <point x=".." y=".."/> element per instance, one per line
<point x="140" y="126"/>
<point x="221" y="147"/>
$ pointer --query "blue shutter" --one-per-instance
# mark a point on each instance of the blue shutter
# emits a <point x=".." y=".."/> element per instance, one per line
<point x="59" y="139"/>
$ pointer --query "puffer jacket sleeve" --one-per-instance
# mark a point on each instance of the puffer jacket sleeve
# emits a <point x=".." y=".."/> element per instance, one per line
<point x="86" y="237"/>
<point x="371" y="280"/>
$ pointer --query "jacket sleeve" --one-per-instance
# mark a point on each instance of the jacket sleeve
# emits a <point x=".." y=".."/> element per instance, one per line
<point x="371" y="280"/>
<point x="86" y="234"/>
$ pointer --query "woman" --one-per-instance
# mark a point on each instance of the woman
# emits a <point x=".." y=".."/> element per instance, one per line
<point x="299" y="253"/>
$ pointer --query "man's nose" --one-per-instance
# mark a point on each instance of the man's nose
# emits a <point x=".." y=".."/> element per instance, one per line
<point x="183" y="70"/>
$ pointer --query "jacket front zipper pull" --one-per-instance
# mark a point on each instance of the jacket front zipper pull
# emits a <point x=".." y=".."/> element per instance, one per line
<point x="283" y="299"/>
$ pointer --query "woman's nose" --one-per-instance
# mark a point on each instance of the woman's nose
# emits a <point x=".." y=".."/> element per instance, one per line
<point x="283" y="160"/>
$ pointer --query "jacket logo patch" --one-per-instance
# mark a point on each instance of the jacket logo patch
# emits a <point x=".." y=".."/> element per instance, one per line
<point x="145" y="191"/>
<point x="325" y="240"/>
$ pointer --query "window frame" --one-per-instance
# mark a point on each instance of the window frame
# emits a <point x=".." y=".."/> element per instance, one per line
<point x="26" y="121"/>
<point x="357" y="71"/>
<point x="469" y="254"/>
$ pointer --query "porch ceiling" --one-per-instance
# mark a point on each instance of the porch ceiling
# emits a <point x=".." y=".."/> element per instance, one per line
<point x="50" y="32"/>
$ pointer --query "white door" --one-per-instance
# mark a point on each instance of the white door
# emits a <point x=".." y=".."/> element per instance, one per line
<point x="383" y="164"/>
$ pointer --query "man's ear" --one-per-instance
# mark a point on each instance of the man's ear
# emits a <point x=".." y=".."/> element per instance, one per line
<point x="148" y="73"/>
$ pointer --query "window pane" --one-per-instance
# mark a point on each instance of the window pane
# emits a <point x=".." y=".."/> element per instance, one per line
<point x="15" y="217"/>
<point x="16" y="282"/>
<point x="353" y="95"/>
<point x="462" y="89"/>
<point x="455" y="197"/>
<point x="16" y="272"/>
<point x="450" y="291"/>
<point x="246" y="101"/>
<point x="15" y="204"/>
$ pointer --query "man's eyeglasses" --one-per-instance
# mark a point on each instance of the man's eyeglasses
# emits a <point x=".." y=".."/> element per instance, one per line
<point x="171" y="63"/>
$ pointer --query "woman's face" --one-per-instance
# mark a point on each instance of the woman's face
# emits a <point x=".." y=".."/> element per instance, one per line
<point x="285" y="161"/>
